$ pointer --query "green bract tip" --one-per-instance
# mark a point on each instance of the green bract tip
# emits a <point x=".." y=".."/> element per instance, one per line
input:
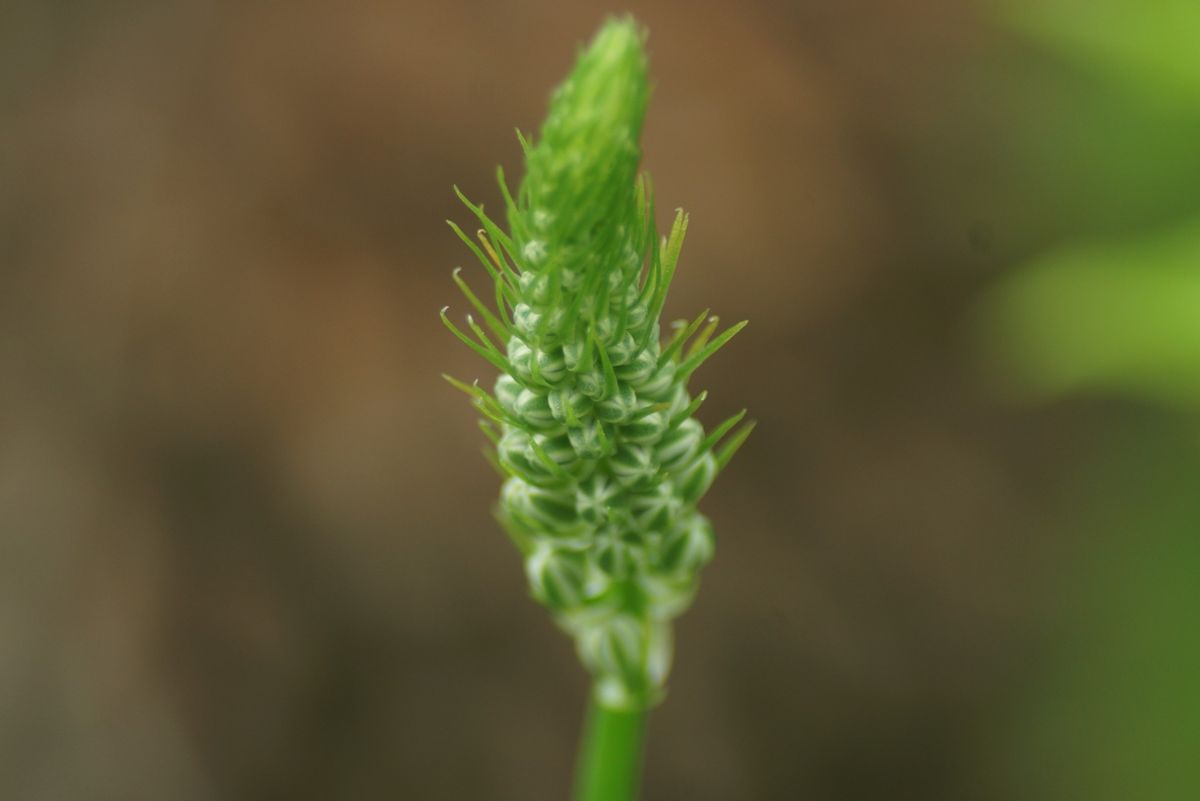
<point x="591" y="419"/>
<point x="584" y="165"/>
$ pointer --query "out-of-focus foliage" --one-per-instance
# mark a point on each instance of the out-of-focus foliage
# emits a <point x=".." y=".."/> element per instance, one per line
<point x="1119" y="715"/>
<point x="1148" y="45"/>
<point x="1120" y="311"/>
<point x="1122" y="315"/>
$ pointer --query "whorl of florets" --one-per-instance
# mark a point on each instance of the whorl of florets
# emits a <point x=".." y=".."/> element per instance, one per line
<point x="591" y="420"/>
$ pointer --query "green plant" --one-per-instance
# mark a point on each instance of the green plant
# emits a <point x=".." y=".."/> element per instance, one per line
<point x="594" y="431"/>
<point x="1117" y="310"/>
<point x="1113" y="309"/>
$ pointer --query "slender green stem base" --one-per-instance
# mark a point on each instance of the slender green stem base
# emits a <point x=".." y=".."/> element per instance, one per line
<point x="610" y="755"/>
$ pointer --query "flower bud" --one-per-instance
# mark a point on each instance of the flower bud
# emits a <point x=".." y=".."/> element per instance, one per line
<point x="696" y="478"/>
<point x="533" y="408"/>
<point x="680" y="445"/>
<point x="645" y="430"/>
<point x="557" y="577"/>
<point x="688" y="547"/>
<point x="605" y="463"/>
<point x="616" y="408"/>
<point x="633" y="464"/>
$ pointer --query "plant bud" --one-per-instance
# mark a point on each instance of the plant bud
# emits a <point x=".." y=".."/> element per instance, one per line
<point x="557" y="577"/>
<point x="591" y="416"/>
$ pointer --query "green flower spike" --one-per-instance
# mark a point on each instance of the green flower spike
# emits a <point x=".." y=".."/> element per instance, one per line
<point x="591" y="421"/>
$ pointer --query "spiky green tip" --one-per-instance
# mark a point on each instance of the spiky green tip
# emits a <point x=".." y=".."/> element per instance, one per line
<point x="579" y="174"/>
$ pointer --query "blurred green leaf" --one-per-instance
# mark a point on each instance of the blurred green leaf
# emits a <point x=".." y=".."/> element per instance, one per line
<point x="1119" y="718"/>
<point x="1149" y="45"/>
<point x="1122" y="316"/>
<point x="1118" y="315"/>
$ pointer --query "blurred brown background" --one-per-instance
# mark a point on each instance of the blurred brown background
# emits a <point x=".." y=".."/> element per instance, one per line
<point x="245" y="543"/>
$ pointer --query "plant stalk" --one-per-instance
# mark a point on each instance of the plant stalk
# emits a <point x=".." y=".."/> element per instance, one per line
<point x="610" y="754"/>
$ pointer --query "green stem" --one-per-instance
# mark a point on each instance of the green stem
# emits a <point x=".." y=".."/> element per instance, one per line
<point x="610" y="755"/>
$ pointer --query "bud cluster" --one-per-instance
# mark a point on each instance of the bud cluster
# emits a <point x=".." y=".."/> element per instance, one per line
<point x="591" y="421"/>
